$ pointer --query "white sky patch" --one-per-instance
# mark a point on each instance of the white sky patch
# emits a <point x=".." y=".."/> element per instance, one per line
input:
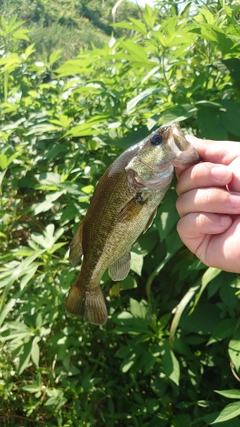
<point x="143" y="2"/>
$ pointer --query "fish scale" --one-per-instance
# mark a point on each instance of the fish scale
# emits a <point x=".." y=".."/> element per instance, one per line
<point x="123" y="206"/>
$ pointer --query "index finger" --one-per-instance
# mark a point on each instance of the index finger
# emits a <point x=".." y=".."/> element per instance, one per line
<point x="222" y="152"/>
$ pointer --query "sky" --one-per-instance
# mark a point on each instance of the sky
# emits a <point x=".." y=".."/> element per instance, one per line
<point x="143" y="2"/>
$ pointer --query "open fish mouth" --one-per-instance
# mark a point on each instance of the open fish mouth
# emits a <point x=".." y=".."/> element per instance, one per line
<point x="183" y="152"/>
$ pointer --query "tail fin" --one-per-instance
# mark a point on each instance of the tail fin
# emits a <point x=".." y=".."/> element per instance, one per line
<point x="89" y="305"/>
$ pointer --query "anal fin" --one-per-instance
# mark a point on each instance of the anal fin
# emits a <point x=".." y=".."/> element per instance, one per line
<point x="120" y="268"/>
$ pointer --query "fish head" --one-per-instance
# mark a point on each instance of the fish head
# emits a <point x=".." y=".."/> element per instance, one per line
<point x="157" y="155"/>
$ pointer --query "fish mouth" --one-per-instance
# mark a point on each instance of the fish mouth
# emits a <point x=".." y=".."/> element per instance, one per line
<point x="184" y="152"/>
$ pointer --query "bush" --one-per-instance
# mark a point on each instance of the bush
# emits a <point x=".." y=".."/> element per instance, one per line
<point x="172" y="329"/>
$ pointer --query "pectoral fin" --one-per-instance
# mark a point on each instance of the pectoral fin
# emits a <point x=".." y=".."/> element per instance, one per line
<point x="76" y="250"/>
<point x="130" y="210"/>
<point x="120" y="269"/>
<point x="151" y="219"/>
<point x="89" y="305"/>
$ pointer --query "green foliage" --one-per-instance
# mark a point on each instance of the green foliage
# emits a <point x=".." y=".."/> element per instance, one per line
<point x="172" y="337"/>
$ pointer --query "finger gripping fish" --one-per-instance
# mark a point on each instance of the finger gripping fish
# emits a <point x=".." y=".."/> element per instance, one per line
<point x="123" y="206"/>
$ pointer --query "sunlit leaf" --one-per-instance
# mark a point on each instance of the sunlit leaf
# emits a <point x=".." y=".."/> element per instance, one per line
<point x="170" y="364"/>
<point x="136" y="263"/>
<point x="228" y="413"/>
<point x="230" y="394"/>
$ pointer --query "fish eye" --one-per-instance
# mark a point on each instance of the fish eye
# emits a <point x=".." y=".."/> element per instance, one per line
<point x="156" y="139"/>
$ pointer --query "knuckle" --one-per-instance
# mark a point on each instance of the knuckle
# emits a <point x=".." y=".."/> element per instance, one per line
<point x="199" y="170"/>
<point x="179" y="205"/>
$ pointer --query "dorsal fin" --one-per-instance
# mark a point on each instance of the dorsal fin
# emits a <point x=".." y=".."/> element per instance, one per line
<point x="76" y="250"/>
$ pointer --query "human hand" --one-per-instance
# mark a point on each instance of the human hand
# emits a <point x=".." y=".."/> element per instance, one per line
<point x="209" y="204"/>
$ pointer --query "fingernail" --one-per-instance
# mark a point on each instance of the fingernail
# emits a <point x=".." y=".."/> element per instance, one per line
<point x="225" y="221"/>
<point x="221" y="173"/>
<point x="235" y="200"/>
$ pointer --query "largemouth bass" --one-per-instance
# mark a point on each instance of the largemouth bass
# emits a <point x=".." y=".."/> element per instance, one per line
<point x="123" y="205"/>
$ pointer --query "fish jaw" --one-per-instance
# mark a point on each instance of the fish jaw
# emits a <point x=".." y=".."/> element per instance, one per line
<point x="184" y="152"/>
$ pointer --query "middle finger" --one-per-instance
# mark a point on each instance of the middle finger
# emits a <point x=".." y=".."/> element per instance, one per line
<point x="212" y="200"/>
<point x="202" y="175"/>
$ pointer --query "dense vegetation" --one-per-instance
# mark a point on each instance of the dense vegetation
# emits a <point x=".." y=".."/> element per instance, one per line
<point x="69" y="24"/>
<point x="169" y="353"/>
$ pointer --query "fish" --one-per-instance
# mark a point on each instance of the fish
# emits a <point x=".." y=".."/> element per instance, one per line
<point x="124" y="204"/>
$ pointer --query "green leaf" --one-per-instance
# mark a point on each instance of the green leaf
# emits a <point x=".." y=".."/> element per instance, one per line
<point x="40" y="129"/>
<point x="234" y="350"/>
<point x="47" y="204"/>
<point x="136" y="52"/>
<point x="138" y="26"/>
<point x="3" y="161"/>
<point x="136" y="263"/>
<point x="223" y="330"/>
<point x="178" y="113"/>
<point x="21" y="35"/>
<point x="206" y="117"/>
<point x="167" y="218"/>
<point x="2" y="174"/>
<point x="24" y="357"/>
<point x="30" y="49"/>
<point x="128" y="283"/>
<point x="228" y="413"/>
<point x="198" y="323"/>
<point x="125" y="366"/>
<point x="55" y="56"/>
<point x="135" y="25"/>
<point x="230" y="394"/>
<point x="75" y="66"/>
<point x="233" y="65"/>
<point x="171" y="367"/>
<point x="149" y="16"/>
<point x="229" y="117"/>
<point x="138" y="309"/>
<point x="84" y="129"/>
<point x="49" y="178"/>
<point x="35" y="352"/>
<point x="218" y="36"/>
<point x="179" y="312"/>
<point x="207" y="277"/>
<point x="141" y="97"/>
